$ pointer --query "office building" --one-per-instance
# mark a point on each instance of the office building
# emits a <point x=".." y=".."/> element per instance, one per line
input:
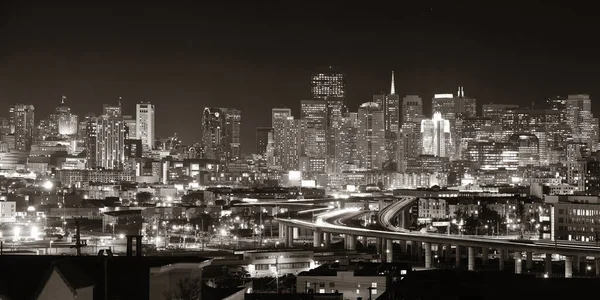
<point x="144" y="124"/>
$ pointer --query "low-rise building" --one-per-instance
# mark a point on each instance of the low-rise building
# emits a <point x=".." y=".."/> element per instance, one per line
<point x="366" y="280"/>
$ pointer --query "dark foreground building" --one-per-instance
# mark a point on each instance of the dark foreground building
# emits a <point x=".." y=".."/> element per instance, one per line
<point x="449" y="284"/>
<point x="99" y="277"/>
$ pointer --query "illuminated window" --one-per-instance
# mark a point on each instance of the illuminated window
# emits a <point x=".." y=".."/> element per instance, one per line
<point x="321" y="291"/>
<point x="374" y="291"/>
<point x="374" y="284"/>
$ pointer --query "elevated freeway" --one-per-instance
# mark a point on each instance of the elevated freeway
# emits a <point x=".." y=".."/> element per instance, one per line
<point x="333" y="223"/>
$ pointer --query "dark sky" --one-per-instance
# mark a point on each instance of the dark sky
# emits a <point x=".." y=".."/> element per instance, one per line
<point x="257" y="56"/>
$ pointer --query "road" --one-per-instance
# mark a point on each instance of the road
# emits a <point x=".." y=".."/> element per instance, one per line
<point x="323" y="223"/>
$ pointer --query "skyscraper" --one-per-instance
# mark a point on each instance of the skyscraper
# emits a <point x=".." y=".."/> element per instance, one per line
<point x="579" y="116"/>
<point x="144" y="124"/>
<point x="327" y="84"/>
<point x="412" y="109"/>
<point x="345" y="144"/>
<point x="390" y="105"/>
<point x="22" y="125"/>
<point x="262" y="139"/>
<point x="370" y="137"/>
<point x="67" y="122"/>
<point x="233" y="146"/>
<point x="285" y="139"/>
<point x="110" y="138"/>
<point x="435" y="135"/>
<point x="314" y="127"/>
<point x="90" y="138"/>
<point x="221" y="133"/>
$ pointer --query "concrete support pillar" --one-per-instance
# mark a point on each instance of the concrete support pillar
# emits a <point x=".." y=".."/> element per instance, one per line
<point x="471" y="258"/>
<point x="327" y="239"/>
<point x="413" y="250"/>
<point x="457" y="256"/>
<point x="529" y="264"/>
<point x="485" y="254"/>
<point x="381" y="204"/>
<point x="389" y="251"/>
<point x="402" y="245"/>
<point x="379" y="246"/>
<point x="501" y="260"/>
<point x="448" y="252"/>
<point x="568" y="266"/>
<point x="282" y="230"/>
<point x="317" y="239"/>
<point x="548" y="264"/>
<point x="419" y="251"/>
<point x="350" y="242"/>
<point x="518" y="265"/>
<point x="289" y="236"/>
<point x="427" y="255"/>
<point x="577" y="263"/>
<point x="597" y="266"/>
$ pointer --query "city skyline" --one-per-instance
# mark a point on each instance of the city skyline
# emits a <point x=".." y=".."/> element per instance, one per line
<point x="429" y="51"/>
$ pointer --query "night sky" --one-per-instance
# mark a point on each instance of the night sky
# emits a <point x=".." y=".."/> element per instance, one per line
<point x="255" y="57"/>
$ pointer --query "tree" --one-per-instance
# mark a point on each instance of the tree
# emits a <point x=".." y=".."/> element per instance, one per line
<point x="187" y="288"/>
<point x="144" y="198"/>
<point x="203" y="221"/>
<point x="192" y="198"/>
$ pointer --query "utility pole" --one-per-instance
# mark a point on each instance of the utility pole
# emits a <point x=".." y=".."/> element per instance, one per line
<point x="78" y="243"/>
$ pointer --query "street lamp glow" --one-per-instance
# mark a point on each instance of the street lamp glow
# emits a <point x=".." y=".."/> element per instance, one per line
<point x="34" y="232"/>
<point x="17" y="232"/>
<point x="48" y="185"/>
<point x="121" y="236"/>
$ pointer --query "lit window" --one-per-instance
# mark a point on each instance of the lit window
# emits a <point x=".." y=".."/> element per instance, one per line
<point x="374" y="284"/>
<point x="321" y="291"/>
<point x="374" y="291"/>
<point x="357" y="291"/>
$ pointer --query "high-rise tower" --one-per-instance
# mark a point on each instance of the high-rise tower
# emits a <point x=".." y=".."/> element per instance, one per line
<point x="144" y="124"/>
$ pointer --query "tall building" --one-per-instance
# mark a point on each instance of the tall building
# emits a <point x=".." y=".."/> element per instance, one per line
<point x="345" y="145"/>
<point x="412" y="109"/>
<point x="22" y="125"/>
<point x="314" y="128"/>
<point x="496" y="111"/>
<point x="409" y="144"/>
<point x="435" y="136"/>
<point x="262" y="139"/>
<point x="110" y="138"/>
<point x="130" y="127"/>
<point x="279" y="117"/>
<point x="336" y="109"/>
<point x="67" y="122"/>
<point x="579" y="116"/>
<point x="233" y="146"/>
<point x="370" y="136"/>
<point x="464" y="106"/>
<point x="144" y="124"/>
<point x="221" y="133"/>
<point x="390" y="104"/>
<point x="328" y="84"/>
<point x="89" y="137"/>
<point x="285" y="139"/>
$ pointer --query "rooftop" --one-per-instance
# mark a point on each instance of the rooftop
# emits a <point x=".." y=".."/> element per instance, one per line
<point x="24" y="276"/>
<point x="359" y="269"/>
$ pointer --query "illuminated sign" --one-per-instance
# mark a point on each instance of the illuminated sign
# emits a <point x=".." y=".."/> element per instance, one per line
<point x="443" y="96"/>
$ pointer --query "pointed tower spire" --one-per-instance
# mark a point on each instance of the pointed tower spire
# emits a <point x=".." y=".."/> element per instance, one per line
<point x="120" y="98"/>
<point x="62" y="101"/>
<point x="458" y="93"/>
<point x="393" y="88"/>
